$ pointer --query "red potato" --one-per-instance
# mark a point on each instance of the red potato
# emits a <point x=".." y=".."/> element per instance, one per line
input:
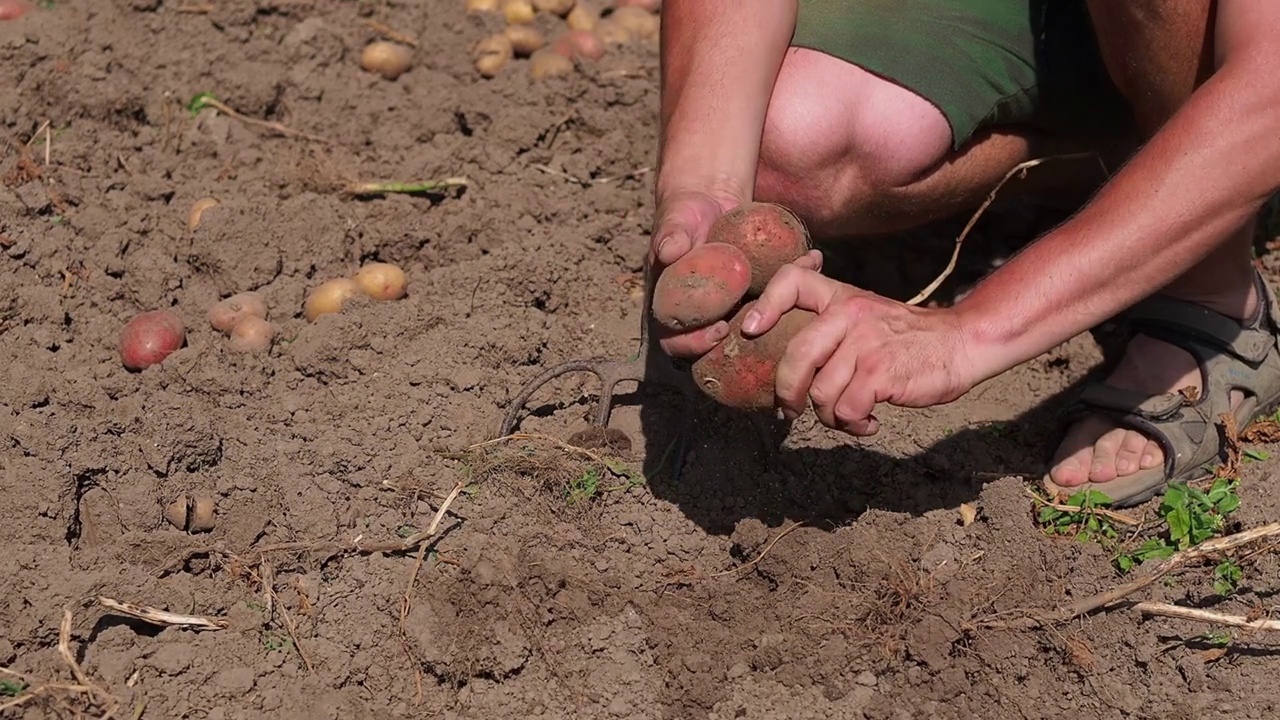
<point x="226" y="314"/>
<point x="769" y="234"/>
<point x="579" y="43"/>
<point x="701" y="287"/>
<point x="149" y="338"/>
<point x="742" y="372"/>
<point x="13" y="9"/>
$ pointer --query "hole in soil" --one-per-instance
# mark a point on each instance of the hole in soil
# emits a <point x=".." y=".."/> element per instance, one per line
<point x="84" y="481"/>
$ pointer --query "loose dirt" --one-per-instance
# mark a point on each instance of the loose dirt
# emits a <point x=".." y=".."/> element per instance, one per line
<point x="562" y="583"/>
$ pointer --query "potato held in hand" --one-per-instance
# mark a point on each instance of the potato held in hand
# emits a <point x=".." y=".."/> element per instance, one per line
<point x="701" y="287"/>
<point x="770" y="235"/>
<point x="741" y="372"/>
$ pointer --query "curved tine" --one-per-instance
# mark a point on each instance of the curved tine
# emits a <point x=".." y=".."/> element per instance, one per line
<point x="599" y="368"/>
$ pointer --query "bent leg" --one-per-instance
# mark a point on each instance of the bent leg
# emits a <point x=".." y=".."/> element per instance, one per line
<point x="885" y="117"/>
<point x="1157" y="52"/>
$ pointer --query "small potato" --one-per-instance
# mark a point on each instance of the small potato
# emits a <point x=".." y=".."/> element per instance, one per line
<point x="252" y="335"/>
<point x="381" y="281"/>
<point x="483" y="6"/>
<point x="641" y="23"/>
<point x="329" y="297"/>
<point x="491" y="54"/>
<point x="555" y="7"/>
<point x="579" y="44"/>
<point x="388" y="59"/>
<point x="742" y="372"/>
<point x="583" y="16"/>
<point x="518" y="12"/>
<point x="701" y="287"/>
<point x="769" y="234"/>
<point x="226" y="314"/>
<point x="525" y="39"/>
<point x="612" y="33"/>
<point x="149" y="338"/>
<point x="547" y="63"/>
<point x="198" y="209"/>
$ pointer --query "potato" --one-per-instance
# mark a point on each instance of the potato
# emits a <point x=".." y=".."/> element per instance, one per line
<point x="386" y="58"/>
<point x="491" y="54"/>
<point x="226" y="314"/>
<point x="329" y="297"/>
<point x="198" y="209"/>
<point x="651" y="6"/>
<point x="525" y="39"/>
<point x="769" y="234"/>
<point x="547" y="63"/>
<point x="742" y="372"/>
<point x="483" y="6"/>
<point x="518" y="12"/>
<point x="381" y="281"/>
<point x="579" y="44"/>
<point x="639" y="22"/>
<point x="583" y="16"/>
<point x="701" y="287"/>
<point x="611" y="33"/>
<point x="149" y="338"/>
<point x="251" y="335"/>
<point x="13" y="9"/>
<point x="555" y="7"/>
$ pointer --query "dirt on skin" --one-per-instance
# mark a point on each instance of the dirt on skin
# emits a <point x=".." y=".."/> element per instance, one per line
<point x="563" y="584"/>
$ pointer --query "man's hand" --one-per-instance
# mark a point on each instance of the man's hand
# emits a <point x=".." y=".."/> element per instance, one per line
<point x="684" y="220"/>
<point x="862" y="349"/>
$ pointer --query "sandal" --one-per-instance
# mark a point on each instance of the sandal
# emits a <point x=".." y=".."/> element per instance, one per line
<point x="1231" y="355"/>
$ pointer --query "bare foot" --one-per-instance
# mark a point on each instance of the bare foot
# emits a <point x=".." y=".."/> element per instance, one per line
<point x="1098" y="450"/>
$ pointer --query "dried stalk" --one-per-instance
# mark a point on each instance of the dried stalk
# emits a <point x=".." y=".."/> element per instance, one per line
<point x="1187" y="613"/>
<point x="1019" y="169"/>
<point x="1176" y="561"/>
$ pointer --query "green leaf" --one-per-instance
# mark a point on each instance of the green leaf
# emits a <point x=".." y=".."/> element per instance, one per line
<point x="1179" y="524"/>
<point x="1124" y="563"/>
<point x="1048" y="514"/>
<point x="1228" y="504"/>
<point x="1256" y="454"/>
<point x="198" y="102"/>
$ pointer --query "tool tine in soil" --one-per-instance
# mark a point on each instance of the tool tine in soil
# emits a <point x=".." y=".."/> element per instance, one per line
<point x="610" y="372"/>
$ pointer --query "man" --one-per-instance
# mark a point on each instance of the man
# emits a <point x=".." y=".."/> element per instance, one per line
<point x="867" y="116"/>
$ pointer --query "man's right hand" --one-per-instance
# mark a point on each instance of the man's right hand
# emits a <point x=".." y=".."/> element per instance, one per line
<point x="684" y="221"/>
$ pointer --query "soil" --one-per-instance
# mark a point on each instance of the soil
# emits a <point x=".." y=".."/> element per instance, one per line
<point x="562" y="583"/>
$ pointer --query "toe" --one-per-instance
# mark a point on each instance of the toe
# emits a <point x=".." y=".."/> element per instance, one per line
<point x="1103" y="468"/>
<point x="1129" y="456"/>
<point x="1152" y="456"/>
<point x="1075" y="454"/>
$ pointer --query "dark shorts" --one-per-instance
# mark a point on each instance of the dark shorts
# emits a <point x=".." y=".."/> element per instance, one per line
<point x="983" y="63"/>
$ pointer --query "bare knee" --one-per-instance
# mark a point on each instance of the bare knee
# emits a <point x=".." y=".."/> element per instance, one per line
<point x="837" y="136"/>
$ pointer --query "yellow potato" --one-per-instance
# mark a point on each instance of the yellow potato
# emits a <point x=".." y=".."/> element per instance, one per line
<point x="518" y="12"/>
<point x="382" y="281"/>
<point x="386" y="58"/>
<point x="491" y="54"/>
<point x="525" y="39"/>
<point x="329" y="297"/>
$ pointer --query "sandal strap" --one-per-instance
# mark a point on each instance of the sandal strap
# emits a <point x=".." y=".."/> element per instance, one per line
<point x="1178" y="317"/>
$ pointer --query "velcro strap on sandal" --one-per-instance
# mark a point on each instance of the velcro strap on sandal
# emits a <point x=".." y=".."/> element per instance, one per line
<point x="1203" y="324"/>
<point x="1131" y="402"/>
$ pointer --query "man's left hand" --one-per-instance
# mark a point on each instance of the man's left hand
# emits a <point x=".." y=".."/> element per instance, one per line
<point x="861" y="350"/>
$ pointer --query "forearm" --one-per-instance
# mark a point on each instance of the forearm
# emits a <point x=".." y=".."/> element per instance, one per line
<point x="720" y="59"/>
<point x="1198" y="180"/>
